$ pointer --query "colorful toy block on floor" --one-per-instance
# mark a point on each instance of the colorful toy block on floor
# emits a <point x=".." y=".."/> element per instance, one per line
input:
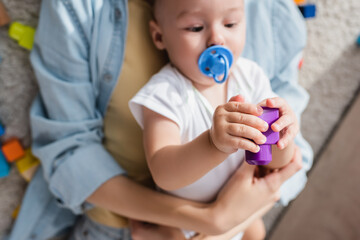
<point x="2" y="130"/>
<point x="23" y="34"/>
<point x="358" y="41"/>
<point x="12" y="150"/>
<point x="27" y="165"/>
<point x="299" y="2"/>
<point x="301" y="62"/>
<point x="15" y="213"/>
<point x="4" y="166"/>
<point x="308" y="10"/>
<point x="4" y="17"/>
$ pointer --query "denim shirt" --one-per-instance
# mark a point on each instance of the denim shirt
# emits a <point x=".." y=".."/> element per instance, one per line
<point x="77" y="58"/>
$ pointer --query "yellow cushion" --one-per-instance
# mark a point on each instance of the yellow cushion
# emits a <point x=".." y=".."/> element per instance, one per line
<point x="123" y="137"/>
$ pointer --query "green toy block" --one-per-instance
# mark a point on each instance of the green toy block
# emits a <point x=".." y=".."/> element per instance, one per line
<point x="23" y="34"/>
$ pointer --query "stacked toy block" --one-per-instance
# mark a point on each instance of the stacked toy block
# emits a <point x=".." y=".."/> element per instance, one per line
<point x="308" y="10"/>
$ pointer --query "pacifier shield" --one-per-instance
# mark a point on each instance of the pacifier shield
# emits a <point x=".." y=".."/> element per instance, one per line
<point x="216" y="61"/>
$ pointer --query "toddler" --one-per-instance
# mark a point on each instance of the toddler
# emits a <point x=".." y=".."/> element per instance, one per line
<point x="194" y="133"/>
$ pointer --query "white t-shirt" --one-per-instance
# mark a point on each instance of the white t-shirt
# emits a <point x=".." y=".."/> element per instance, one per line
<point x="173" y="96"/>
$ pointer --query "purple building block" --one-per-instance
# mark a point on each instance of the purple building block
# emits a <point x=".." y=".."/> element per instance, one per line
<point x="264" y="156"/>
<point x="4" y="166"/>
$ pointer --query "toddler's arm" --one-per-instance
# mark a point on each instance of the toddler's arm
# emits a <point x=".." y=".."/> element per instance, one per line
<point x="174" y="165"/>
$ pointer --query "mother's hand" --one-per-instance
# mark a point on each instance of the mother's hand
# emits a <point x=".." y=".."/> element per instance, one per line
<point x="246" y="197"/>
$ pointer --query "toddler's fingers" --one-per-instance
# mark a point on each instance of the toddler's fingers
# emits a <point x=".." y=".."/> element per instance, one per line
<point x="263" y="103"/>
<point x="237" y="98"/>
<point x="276" y="102"/>
<point x="288" y="135"/>
<point x="247" y="108"/>
<point x="247" y="119"/>
<point x="282" y="122"/>
<point x="243" y="143"/>
<point x="244" y="131"/>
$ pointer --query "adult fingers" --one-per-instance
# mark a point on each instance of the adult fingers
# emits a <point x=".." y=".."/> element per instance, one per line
<point x="245" y="172"/>
<point x="276" y="179"/>
<point x="135" y="226"/>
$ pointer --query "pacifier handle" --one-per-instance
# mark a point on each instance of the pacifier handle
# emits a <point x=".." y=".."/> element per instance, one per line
<point x="226" y="71"/>
<point x="216" y="61"/>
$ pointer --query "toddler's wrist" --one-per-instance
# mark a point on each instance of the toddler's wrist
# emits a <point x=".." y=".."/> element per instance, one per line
<point x="214" y="145"/>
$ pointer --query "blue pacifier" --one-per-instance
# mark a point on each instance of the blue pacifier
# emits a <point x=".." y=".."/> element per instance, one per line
<point x="216" y="61"/>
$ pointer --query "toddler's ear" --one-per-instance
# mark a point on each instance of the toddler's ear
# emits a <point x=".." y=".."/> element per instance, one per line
<point x="156" y="35"/>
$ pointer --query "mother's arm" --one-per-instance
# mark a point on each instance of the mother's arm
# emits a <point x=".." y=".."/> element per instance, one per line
<point x="243" y="200"/>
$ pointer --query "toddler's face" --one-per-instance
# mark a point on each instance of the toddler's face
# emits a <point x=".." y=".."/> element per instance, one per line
<point x="187" y="27"/>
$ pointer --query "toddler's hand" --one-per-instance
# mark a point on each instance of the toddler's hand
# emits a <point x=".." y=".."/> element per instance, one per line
<point x="236" y="125"/>
<point x="287" y="124"/>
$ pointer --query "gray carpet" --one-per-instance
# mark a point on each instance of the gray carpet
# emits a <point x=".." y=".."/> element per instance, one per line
<point x="331" y="73"/>
<point x="17" y="89"/>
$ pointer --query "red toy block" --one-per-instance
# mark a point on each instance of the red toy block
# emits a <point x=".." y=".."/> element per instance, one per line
<point x="12" y="150"/>
<point x="301" y="63"/>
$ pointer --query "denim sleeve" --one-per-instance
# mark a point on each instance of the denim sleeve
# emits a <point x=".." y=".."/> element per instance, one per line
<point x="289" y="40"/>
<point x="67" y="126"/>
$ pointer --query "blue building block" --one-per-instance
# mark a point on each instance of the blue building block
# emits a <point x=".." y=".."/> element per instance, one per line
<point x="358" y="41"/>
<point x="2" y="130"/>
<point x="308" y="10"/>
<point x="4" y="166"/>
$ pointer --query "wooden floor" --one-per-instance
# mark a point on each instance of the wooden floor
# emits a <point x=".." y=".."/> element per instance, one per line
<point x="329" y="206"/>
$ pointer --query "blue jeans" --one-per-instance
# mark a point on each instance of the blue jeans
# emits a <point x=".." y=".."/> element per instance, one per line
<point x="86" y="229"/>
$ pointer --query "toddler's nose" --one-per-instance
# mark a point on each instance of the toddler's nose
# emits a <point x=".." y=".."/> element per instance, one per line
<point x="215" y="39"/>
